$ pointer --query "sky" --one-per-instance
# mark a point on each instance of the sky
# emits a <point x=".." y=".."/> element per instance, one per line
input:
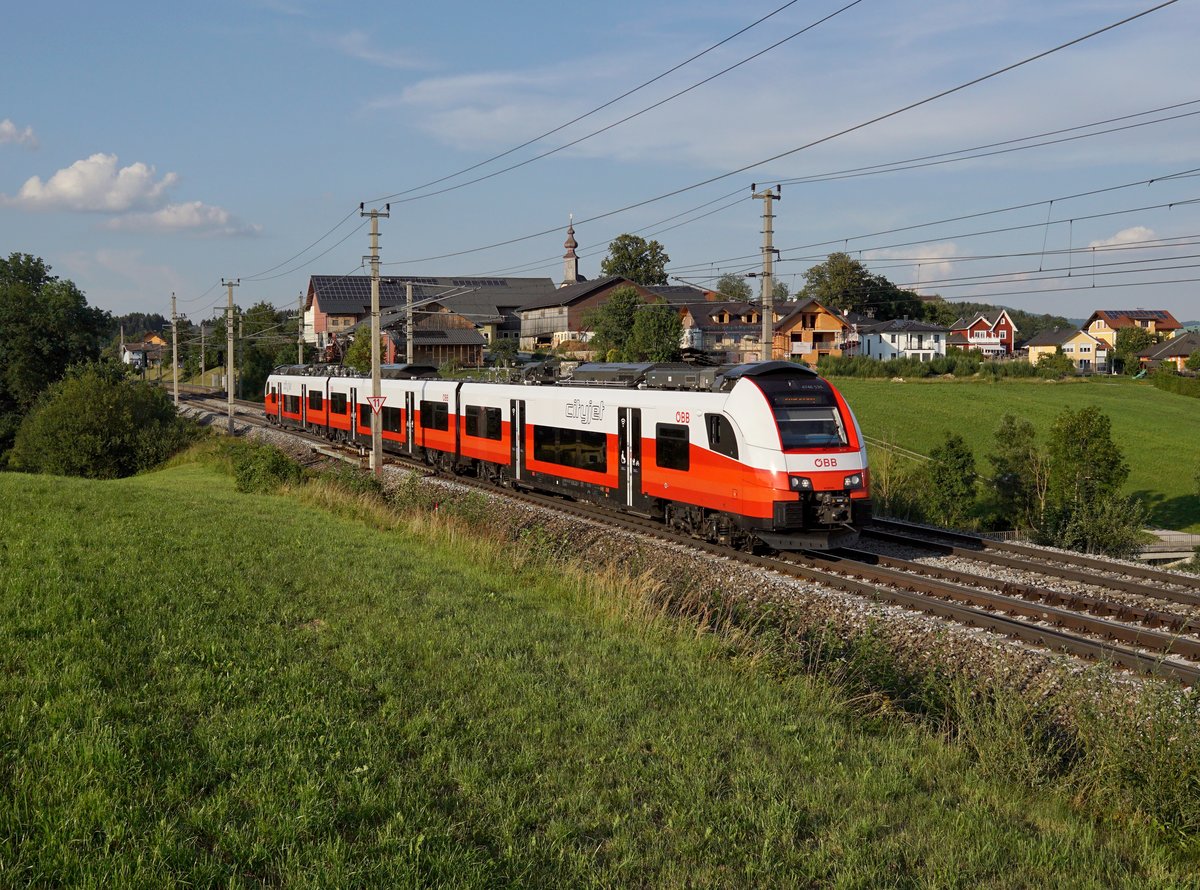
<point x="150" y="149"/>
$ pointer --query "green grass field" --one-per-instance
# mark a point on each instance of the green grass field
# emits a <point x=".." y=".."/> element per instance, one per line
<point x="201" y="687"/>
<point x="1158" y="432"/>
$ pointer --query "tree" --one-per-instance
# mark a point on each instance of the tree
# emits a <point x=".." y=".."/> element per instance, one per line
<point x="612" y="321"/>
<point x="780" y="292"/>
<point x="633" y="257"/>
<point x="1020" y="473"/>
<point x="657" y="330"/>
<point x="1128" y="343"/>
<point x="951" y="470"/>
<point x="734" y="287"/>
<point x="99" y="423"/>
<point x="1193" y="361"/>
<point x="46" y="326"/>
<point x="358" y="353"/>
<point x="504" y="351"/>
<point x="846" y="284"/>
<point x="1084" y="509"/>
<point x="1053" y="365"/>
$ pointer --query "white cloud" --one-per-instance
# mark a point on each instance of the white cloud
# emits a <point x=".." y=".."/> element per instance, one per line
<point x="914" y="266"/>
<point x="192" y="216"/>
<point x="357" y="45"/>
<point x="10" y="133"/>
<point x="1131" y="235"/>
<point x="95" y="184"/>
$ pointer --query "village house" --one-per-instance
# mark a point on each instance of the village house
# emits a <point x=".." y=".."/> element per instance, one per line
<point x="729" y="331"/>
<point x="1104" y="323"/>
<point x="1171" y="352"/>
<point x="991" y="333"/>
<point x="1088" y="353"/>
<point x="560" y="316"/>
<point x="336" y="303"/>
<point x="902" y="338"/>
<point x="807" y="331"/>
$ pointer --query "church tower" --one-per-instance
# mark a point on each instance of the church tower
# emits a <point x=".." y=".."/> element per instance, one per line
<point x="570" y="260"/>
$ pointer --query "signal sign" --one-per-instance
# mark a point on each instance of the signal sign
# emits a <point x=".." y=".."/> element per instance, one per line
<point x="376" y="402"/>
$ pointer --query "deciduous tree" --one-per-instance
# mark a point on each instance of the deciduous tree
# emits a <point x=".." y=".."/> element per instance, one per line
<point x="1128" y="343"/>
<point x="656" y="333"/>
<point x="633" y="257"/>
<point x="846" y="284"/>
<point x="735" y="287"/>
<point x="611" y="322"/>
<point x="951" y="469"/>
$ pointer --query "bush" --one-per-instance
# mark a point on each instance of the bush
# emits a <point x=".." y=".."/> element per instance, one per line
<point x="957" y="362"/>
<point x="99" y="423"/>
<point x="352" y="480"/>
<point x="262" y="469"/>
<point x="1183" y="386"/>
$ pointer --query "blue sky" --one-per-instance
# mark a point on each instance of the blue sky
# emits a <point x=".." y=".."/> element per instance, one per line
<point x="150" y="148"/>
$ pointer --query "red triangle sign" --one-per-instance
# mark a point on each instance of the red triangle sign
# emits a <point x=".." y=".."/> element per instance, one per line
<point x="376" y="402"/>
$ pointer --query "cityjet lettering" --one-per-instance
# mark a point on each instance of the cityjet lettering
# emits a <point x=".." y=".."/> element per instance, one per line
<point x="585" y="412"/>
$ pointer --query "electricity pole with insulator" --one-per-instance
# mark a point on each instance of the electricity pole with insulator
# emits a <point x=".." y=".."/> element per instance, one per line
<point x="768" y="283"/>
<point x="230" y="285"/>
<point x="175" y="348"/>
<point x="376" y="385"/>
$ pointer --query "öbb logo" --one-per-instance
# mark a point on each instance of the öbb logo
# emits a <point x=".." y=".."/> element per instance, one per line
<point x="825" y="462"/>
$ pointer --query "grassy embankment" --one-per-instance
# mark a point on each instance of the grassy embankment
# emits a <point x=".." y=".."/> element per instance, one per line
<point x="1159" y="432"/>
<point x="201" y="686"/>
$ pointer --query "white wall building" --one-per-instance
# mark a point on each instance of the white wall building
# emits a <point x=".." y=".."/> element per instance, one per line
<point x="902" y="338"/>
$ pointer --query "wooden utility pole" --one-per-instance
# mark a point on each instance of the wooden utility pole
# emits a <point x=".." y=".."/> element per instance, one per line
<point x="376" y="382"/>
<point x="768" y="283"/>
<point x="175" y="348"/>
<point x="229" y="349"/>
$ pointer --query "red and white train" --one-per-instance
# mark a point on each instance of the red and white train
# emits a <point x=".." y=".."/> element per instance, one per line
<point x="763" y="452"/>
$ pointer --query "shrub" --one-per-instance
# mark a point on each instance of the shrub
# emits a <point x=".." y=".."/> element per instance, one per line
<point x="262" y="469"/>
<point x="1183" y="386"/>
<point x="352" y="480"/>
<point x="99" y="423"/>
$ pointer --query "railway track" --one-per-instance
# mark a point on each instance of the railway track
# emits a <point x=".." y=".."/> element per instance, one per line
<point x="1141" y="639"/>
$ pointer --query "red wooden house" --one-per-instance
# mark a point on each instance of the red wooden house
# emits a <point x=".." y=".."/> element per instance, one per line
<point x="992" y="333"/>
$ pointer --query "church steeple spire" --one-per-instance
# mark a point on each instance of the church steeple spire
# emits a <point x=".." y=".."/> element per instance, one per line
<point x="570" y="260"/>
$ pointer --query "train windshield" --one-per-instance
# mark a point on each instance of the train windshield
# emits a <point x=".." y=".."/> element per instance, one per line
<point x="805" y="411"/>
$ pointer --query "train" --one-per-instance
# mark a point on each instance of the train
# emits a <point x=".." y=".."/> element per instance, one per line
<point x="763" y="455"/>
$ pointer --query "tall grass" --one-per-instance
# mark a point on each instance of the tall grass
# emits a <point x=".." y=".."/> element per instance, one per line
<point x="328" y="688"/>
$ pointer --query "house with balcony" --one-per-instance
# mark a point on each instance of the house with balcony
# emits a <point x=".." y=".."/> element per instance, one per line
<point x="1104" y="323"/>
<point x="807" y="331"/>
<point x="991" y="333"/>
<point x="1089" y="354"/>
<point x="902" y="338"/>
<point x="729" y="330"/>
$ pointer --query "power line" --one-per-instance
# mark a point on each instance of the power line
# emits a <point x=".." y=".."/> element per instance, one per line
<point x="939" y="95"/>
<point x="588" y="114"/>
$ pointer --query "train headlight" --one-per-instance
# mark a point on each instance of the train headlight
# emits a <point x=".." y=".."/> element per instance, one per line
<point x="799" y="483"/>
<point x="853" y="481"/>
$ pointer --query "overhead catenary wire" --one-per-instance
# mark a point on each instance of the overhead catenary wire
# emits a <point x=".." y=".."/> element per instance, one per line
<point x="628" y="117"/>
<point x="832" y="136"/>
<point x="591" y="112"/>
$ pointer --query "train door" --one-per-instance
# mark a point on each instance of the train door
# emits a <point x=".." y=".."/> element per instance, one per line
<point x="352" y="413"/>
<point x="516" y="428"/>
<point x="410" y="401"/>
<point x="304" y="406"/>
<point x="629" y="443"/>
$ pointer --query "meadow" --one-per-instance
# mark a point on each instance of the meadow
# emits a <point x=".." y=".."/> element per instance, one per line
<point x="1158" y="432"/>
<point x="206" y="687"/>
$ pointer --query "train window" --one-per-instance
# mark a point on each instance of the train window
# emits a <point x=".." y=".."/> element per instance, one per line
<point x="314" y="401"/>
<point x="435" y="415"/>
<point x="391" y="419"/>
<point x="337" y="402"/>
<point x="671" y="446"/>
<point x="364" y="415"/>
<point x="571" y="448"/>
<point x="482" y="423"/>
<point x="721" y="438"/>
<point x="809" y="428"/>
<point x="291" y="404"/>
